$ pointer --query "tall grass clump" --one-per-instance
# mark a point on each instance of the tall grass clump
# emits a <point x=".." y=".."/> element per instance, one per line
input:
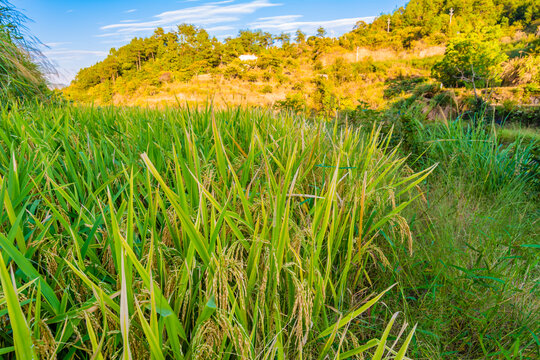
<point x="475" y="151"/>
<point x="21" y="62"/>
<point x="134" y="233"/>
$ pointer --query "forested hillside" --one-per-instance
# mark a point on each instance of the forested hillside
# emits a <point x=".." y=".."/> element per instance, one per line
<point x="318" y="72"/>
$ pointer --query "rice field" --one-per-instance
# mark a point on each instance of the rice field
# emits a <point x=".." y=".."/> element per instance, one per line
<point x="132" y="233"/>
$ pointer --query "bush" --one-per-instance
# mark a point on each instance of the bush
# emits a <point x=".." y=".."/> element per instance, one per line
<point x="267" y="89"/>
<point x="341" y="71"/>
<point x="470" y="60"/>
<point x="520" y="71"/>
<point x="299" y="86"/>
<point x="294" y="103"/>
<point x="251" y="76"/>
<point x="232" y="72"/>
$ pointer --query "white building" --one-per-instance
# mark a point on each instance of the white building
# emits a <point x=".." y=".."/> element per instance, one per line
<point x="248" y="57"/>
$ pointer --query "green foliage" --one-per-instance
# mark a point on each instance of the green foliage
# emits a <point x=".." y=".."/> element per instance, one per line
<point x="430" y="21"/>
<point x="267" y="89"/>
<point x="479" y="156"/>
<point x="341" y="71"/>
<point x="369" y="66"/>
<point x="295" y="103"/>
<point x="325" y="98"/>
<point x="472" y="59"/>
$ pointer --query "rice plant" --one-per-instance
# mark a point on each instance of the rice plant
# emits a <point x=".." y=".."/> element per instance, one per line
<point x="196" y="234"/>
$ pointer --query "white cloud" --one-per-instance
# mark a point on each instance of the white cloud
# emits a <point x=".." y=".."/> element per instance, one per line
<point x="56" y="44"/>
<point x="289" y="23"/>
<point x="219" y="28"/>
<point x="72" y="54"/>
<point x="130" y="11"/>
<point x="207" y="14"/>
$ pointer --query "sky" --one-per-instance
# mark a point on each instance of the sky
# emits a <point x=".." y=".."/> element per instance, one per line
<point x="78" y="34"/>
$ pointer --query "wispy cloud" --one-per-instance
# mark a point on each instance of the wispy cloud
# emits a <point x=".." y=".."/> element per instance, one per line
<point x="56" y="44"/>
<point x="207" y="14"/>
<point x="219" y="28"/>
<point x="289" y="23"/>
<point x="57" y="54"/>
<point x="130" y="11"/>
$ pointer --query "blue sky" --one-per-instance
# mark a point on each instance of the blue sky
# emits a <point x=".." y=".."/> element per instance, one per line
<point x="80" y="33"/>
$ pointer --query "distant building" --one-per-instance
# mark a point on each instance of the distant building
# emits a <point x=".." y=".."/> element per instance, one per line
<point x="248" y="57"/>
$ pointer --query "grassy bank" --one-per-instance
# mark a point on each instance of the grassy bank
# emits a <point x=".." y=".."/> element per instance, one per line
<point x="472" y="282"/>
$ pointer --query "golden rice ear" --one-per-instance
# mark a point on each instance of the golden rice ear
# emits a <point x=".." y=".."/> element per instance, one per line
<point x="210" y="336"/>
<point x="422" y="195"/>
<point x="227" y="273"/>
<point x="207" y="340"/>
<point x="46" y="345"/>
<point x="392" y="197"/>
<point x="108" y="260"/>
<point x="375" y="249"/>
<point x="404" y="231"/>
<point x="166" y="236"/>
<point x="302" y="311"/>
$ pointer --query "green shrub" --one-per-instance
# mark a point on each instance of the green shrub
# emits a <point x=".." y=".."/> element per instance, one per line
<point x="267" y="89"/>
<point x="294" y="103"/>
<point x="341" y="71"/>
<point x="299" y="86"/>
<point x="472" y="60"/>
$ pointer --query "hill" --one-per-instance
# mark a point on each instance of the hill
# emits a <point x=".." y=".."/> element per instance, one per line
<point x="319" y="73"/>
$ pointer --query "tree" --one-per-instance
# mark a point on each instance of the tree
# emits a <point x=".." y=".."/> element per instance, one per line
<point x="300" y="37"/>
<point x="267" y="40"/>
<point x="471" y="60"/>
<point x="284" y="38"/>
<point x="321" y="32"/>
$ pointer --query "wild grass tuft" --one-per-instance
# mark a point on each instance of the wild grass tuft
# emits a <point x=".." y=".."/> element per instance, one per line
<point x="21" y="63"/>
